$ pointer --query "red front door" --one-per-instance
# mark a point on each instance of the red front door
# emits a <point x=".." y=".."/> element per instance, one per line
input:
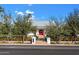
<point x="41" y="33"/>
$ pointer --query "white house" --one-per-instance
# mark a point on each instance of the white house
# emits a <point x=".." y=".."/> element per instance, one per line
<point x="41" y="28"/>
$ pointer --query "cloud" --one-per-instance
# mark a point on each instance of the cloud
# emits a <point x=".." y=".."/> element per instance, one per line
<point x="28" y="11"/>
<point x="19" y="13"/>
<point x="33" y="17"/>
<point x="22" y="13"/>
<point x="16" y="11"/>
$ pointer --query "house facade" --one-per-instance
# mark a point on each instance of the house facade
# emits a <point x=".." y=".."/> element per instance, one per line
<point x="41" y="28"/>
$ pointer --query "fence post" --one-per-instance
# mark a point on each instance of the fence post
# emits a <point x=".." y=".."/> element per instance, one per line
<point x="48" y="40"/>
<point x="33" y="40"/>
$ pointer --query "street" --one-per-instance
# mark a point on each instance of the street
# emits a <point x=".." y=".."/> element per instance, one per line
<point x="38" y="50"/>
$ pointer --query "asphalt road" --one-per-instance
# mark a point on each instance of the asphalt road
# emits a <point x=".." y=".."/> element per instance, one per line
<point x="38" y="50"/>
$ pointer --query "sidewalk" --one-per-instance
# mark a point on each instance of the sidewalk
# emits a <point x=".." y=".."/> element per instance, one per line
<point x="42" y="44"/>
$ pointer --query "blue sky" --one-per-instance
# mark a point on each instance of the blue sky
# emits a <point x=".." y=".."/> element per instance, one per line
<point x="41" y="11"/>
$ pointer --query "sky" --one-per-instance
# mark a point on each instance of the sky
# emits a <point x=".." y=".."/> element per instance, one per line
<point x="41" y="11"/>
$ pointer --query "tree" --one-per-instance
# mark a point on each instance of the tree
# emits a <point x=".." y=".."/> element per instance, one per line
<point x="22" y="25"/>
<point x="5" y="22"/>
<point x="6" y="25"/>
<point x="53" y="29"/>
<point x="72" y="23"/>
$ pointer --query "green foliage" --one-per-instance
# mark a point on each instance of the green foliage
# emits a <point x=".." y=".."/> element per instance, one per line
<point x="71" y="25"/>
<point x="53" y="30"/>
<point x="5" y="26"/>
<point x="22" y="25"/>
<point x="73" y="21"/>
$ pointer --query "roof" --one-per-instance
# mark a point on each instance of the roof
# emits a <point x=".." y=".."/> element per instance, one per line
<point x="41" y="27"/>
<point x="40" y="23"/>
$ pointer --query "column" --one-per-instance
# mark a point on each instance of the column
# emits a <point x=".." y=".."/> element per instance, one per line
<point x="48" y="40"/>
<point x="33" y="40"/>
